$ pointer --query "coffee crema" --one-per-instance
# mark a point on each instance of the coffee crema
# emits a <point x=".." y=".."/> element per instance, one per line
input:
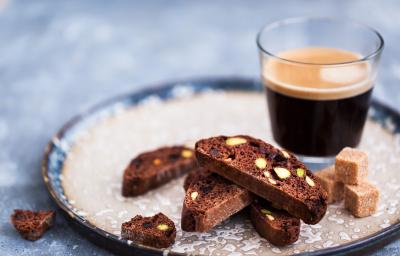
<point x="316" y="105"/>
<point x="317" y="73"/>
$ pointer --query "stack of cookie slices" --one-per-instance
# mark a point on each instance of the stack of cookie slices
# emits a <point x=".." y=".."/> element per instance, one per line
<point x="227" y="175"/>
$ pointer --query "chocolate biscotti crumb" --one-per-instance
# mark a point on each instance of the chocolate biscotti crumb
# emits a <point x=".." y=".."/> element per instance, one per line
<point x="209" y="200"/>
<point x="152" y="169"/>
<point x="157" y="231"/>
<point x="268" y="172"/>
<point x="351" y="166"/>
<point x="361" y="200"/>
<point x="277" y="226"/>
<point x="32" y="225"/>
<point x="334" y="189"/>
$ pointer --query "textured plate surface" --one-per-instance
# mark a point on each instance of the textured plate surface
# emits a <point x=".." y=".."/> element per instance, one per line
<point x="84" y="164"/>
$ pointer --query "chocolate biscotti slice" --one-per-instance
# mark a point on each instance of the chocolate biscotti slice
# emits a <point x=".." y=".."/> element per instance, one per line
<point x="152" y="169"/>
<point x="268" y="172"/>
<point x="156" y="231"/>
<point x="277" y="226"/>
<point x="209" y="200"/>
<point x="32" y="225"/>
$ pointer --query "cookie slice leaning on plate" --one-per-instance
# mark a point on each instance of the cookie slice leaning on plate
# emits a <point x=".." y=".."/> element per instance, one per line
<point x="268" y="172"/>
<point x="152" y="169"/>
<point x="209" y="200"/>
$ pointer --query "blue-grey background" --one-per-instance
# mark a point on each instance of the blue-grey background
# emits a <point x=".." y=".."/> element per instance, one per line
<point x="59" y="57"/>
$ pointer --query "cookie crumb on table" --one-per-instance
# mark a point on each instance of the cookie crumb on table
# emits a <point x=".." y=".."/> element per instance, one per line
<point x="32" y="225"/>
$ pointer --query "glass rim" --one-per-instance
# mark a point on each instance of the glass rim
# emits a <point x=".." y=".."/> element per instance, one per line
<point x="303" y="19"/>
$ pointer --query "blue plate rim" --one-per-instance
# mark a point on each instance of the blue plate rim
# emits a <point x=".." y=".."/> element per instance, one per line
<point x="123" y="246"/>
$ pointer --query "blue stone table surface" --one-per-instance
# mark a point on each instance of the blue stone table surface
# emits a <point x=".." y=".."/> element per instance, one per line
<point x="57" y="58"/>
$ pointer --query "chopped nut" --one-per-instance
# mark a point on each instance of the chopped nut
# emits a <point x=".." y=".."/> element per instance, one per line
<point x="228" y="159"/>
<point x="235" y="141"/>
<point x="234" y="186"/>
<point x="157" y="161"/>
<point x="265" y="211"/>
<point x="300" y="172"/>
<point x="310" y="181"/>
<point x="267" y="174"/>
<point x="261" y="163"/>
<point x="163" y="227"/>
<point x="285" y="154"/>
<point x="194" y="195"/>
<point x="187" y="153"/>
<point x="272" y="181"/>
<point x="282" y="173"/>
<point x="270" y="217"/>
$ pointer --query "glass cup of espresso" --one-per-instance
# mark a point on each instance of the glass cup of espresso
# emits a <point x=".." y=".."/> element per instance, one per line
<point x="318" y="75"/>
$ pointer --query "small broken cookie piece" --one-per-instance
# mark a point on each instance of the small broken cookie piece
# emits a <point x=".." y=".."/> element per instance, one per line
<point x="361" y="200"/>
<point x="351" y="166"/>
<point x="32" y="225"/>
<point x="277" y="226"/>
<point x="153" y="169"/>
<point x="157" y="231"/>
<point x="334" y="189"/>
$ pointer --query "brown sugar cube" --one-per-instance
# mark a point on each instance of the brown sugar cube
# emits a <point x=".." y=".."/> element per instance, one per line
<point x="361" y="200"/>
<point x="351" y="166"/>
<point x="333" y="188"/>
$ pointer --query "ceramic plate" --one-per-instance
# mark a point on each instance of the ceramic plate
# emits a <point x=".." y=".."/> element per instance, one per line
<point x="84" y="162"/>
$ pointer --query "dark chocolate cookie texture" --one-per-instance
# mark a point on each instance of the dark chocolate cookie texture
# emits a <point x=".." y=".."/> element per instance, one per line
<point x="32" y="225"/>
<point x="153" y="169"/>
<point x="277" y="226"/>
<point x="157" y="231"/>
<point x="209" y="200"/>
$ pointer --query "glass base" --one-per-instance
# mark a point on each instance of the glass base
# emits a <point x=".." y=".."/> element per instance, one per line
<point x="317" y="163"/>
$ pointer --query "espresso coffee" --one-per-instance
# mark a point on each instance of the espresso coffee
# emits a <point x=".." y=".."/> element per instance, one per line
<point x="318" y="99"/>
